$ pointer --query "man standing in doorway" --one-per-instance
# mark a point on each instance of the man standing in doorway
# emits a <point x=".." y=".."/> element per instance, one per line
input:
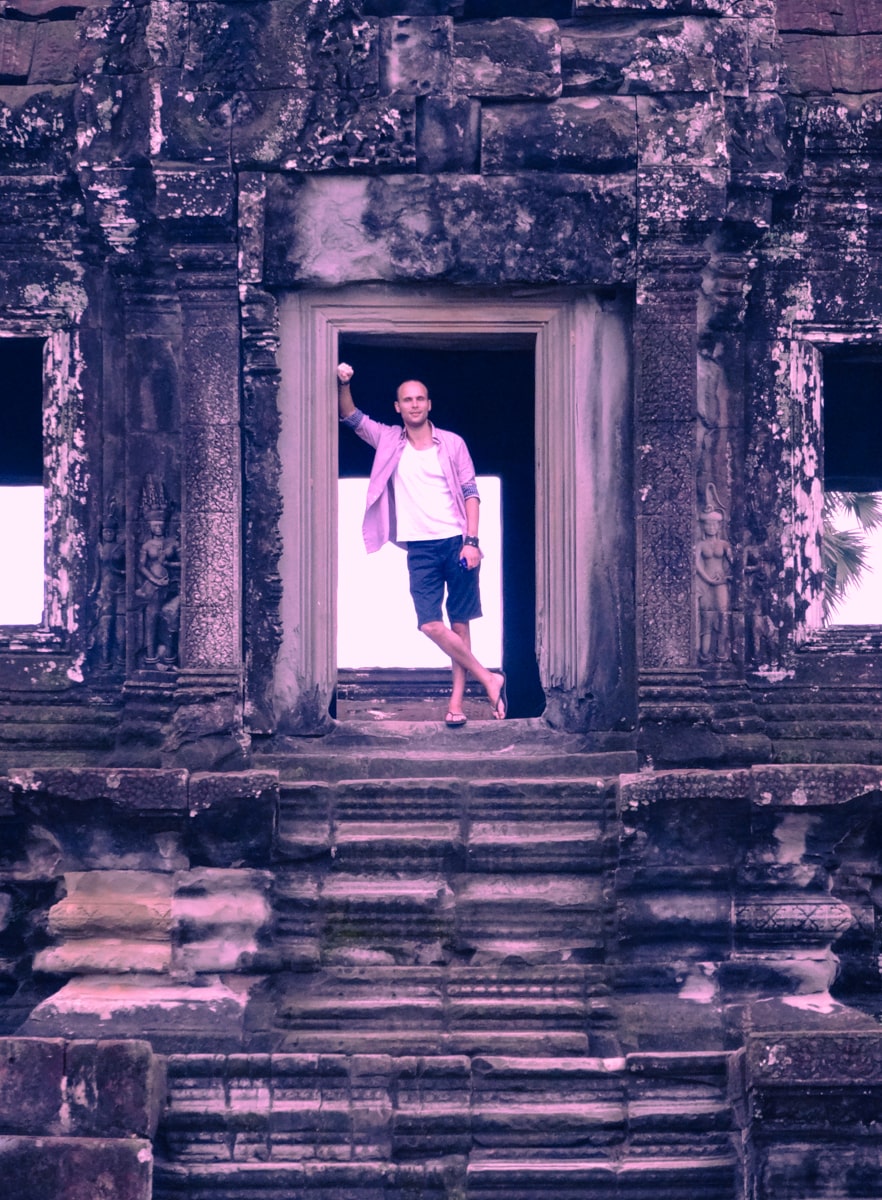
<point x="422" y="495"/>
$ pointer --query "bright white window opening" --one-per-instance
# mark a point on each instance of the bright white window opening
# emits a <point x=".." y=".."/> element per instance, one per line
<point x="21" y="475"/>
<point x="852" y="428"/>
<point x="21" y="552"/>
<point x="376" y="623"/>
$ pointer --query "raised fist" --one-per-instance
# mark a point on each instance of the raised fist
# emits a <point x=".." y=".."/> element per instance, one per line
<point x="344" y="372"/>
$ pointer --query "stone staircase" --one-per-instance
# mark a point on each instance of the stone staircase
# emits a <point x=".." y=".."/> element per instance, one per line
<point x="445" y="1125"/>
<point x="439" y="1020"/>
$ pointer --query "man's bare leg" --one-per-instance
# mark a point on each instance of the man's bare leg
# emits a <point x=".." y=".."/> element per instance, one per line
<point x="460" y="675"/>
<point x="460" y="653"/>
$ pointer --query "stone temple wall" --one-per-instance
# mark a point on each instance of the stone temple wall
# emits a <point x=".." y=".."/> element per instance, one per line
<point x="175" y="173"/>
<point x="629" y="945"/>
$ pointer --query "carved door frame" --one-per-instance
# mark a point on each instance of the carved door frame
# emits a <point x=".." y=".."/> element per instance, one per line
<point x="564" y="324"/>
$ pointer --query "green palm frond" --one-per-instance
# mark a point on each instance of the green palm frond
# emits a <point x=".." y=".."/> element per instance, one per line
<point x="845" y="550"/>
<point x="865" y="507"/>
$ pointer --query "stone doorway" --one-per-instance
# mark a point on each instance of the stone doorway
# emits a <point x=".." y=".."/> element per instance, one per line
<point x="583" y="549"/>
<point x="483" y="388"/>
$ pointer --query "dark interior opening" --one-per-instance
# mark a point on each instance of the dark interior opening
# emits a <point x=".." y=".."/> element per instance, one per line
<point x="483" y="389"/>
<point x="21" y="422"/>
<point x="852" y="421"/>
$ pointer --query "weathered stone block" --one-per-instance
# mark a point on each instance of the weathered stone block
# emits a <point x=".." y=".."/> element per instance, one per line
<point x="36" y="124"/>
<point x="447" y="135"/>
<point x="221" y="918"/>
<point x="190" y="123"/>
<point x="267" y="125"/>
<point x="72" y="1168"/>
<point x="756" y="132"/>
<point x="120" y="33"/>
<point x="198" y="194"/>
<point x="233" y="818"/>
<point x="816" y="786"/>
<point x="674" y="198"/>
<point x="114" y="903"/>
<point x="321" y="131"/>
<point x="672" y="131"/>
<point x="174" y="1017"/>
<point x="550" y="227"/>
<point x="415" y="8"/>
<point x="824" y="64"/>
<point x="722" y="8"/>
<point x="248" y="46"/>
<point x="509" y="58"/>
<point x="828" y="16"/>
<point x="416" y="55"/>
<point x="113" y="115"/>
<point x="804" y="16"/>
<point x="31" y="1072"/>
<point x="343" y="50"/>
<point x="16" y="49"/>
<point x="113" y="1088"/>
<point x="685" y="54"/>
<point x="839" y="130"/>
<point x="764" y="72"/>
<point x="584" y="134"/>
<point x="55" y="52"/>
<point x="127" y="787"/>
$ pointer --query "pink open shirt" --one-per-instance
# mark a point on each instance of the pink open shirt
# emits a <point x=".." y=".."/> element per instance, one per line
<point x="389" y="442"/>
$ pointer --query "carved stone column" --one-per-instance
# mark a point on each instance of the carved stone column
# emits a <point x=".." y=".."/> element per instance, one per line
<point x="210" y="463"/>
<point x="675" y="715"/>
<point x="665" y="343"/>
<point x="207" y="723"/>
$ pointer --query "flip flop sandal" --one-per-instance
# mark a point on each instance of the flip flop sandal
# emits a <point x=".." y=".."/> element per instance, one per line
<point x="455" y="720"/>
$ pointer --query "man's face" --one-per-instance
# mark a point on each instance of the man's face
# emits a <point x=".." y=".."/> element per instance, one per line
<point x="413" y="404"/>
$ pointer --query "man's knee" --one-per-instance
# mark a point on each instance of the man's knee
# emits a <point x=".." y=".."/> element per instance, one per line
<point x="432" y="628"/>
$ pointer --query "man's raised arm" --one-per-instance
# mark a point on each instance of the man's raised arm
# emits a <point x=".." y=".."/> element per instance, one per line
<point x="344" y="393"/>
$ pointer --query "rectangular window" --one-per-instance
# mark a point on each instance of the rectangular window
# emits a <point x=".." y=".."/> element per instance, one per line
<point x="852" y="441"/>
<point x="21" y="481"/>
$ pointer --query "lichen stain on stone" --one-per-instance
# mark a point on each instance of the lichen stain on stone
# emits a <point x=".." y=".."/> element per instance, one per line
<point x="156" y="136"/>
<point x="75" y="671"/>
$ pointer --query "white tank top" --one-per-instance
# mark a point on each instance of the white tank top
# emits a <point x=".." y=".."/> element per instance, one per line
<point x="424" y="507"/>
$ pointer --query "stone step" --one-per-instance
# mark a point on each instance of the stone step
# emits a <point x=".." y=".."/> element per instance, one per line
<point x="338" y="917"/>
<point x="487" y="749"/>
<point x="701" y="1177"/>
<point x="254" y="1123"/>
<point x="311" y="810"/>
<point x="496" y="1008"/>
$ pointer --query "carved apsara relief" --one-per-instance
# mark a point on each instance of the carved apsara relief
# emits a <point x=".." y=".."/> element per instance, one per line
<point x="158" y="590"/>
<point x="713" y="568"/>
<point x="109" y="591"/>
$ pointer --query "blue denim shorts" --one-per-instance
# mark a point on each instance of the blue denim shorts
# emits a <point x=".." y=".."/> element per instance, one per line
<point x="434" y="565"/>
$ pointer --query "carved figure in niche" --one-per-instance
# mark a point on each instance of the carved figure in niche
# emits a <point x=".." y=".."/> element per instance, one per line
<point x="109" y="593"/>
<point x="713" y="566"/>
<point x="156" y="589"/>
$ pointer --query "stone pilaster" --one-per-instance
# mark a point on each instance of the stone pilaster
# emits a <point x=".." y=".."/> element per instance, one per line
<point x="210" y="462"/>
<point x="665" y="345"/>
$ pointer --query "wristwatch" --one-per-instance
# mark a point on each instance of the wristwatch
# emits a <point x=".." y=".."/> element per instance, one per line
<point x="471" y="541"/>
